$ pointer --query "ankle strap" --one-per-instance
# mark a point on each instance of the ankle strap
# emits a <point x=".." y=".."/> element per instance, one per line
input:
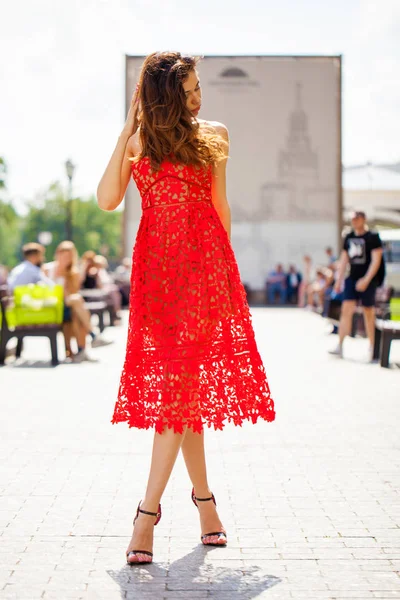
<point x="204" y="499"/>
<point x="151" y="514"/>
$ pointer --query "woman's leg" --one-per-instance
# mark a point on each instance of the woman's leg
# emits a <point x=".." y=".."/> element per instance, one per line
<point x="79" y="332"/>
<point x="310" y="295"/>
<point x="165" y="450"/>
<point x="68" y="334"/>
<point x="194" y="455"/>
<point x="301" y="294"/>
<point x="76" y="302"/>
<point x="195" y="459"/>
<point x="115" y="297"/>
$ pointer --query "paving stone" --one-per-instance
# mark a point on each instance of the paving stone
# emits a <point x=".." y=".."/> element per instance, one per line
<point x="311" y="502"/>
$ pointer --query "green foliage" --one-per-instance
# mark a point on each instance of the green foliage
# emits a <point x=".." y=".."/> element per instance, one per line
<point x="10" y="235"/>
<point x="47" y="214"/>
<point x="3" y="172"/>
<point x="92" y="228"/>
<point x="9" y="225"/>
<point x="95" y="229"/>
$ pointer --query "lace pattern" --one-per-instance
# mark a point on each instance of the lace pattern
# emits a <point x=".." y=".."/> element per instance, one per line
<point x="191" y="357"/>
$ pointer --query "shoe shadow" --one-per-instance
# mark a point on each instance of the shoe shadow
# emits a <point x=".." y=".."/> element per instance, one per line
<point x="189" y="574"/>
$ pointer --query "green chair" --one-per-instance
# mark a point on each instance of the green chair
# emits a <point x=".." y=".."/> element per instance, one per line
<point x="37" y="304"/>
<point x="34" y="310"/>
<point x="387" y="330"/>
<point x="394" y="309"/>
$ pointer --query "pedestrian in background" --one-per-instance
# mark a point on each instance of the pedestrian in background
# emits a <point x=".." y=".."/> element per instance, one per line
<point x="362" y="252"/>
<point x="277" y="285"/>
<point x="293" y="282"/>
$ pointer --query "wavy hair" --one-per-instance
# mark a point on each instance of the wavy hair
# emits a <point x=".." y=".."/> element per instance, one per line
<point x="67" y="246"/>
<point x="167" y="127"/>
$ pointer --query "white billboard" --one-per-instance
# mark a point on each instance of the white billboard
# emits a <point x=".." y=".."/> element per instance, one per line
<point x="284" y="172"/>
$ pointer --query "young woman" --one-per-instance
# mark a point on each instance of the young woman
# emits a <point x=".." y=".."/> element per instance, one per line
<point x="89" y="271"/>
<point x="64" y="271"/>
<point x="191" y="357"/>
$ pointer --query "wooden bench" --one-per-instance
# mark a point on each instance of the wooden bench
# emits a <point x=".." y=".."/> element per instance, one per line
<point x="22" y="331"/>
<point x="333" y="312"/>
<point x="98" y="309"/>
<point x="382" y="299"/>
<point x="93" y="299"/>
<point x="387" y="329"/>
<point x="385" y="333"/>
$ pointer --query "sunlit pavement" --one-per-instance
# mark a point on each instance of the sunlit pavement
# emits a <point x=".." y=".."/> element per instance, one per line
<point x="310" y="502"/>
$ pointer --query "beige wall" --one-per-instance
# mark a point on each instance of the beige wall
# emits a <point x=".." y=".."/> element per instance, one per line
<point x="283" y="115"/>
<point x="379" y="205"/>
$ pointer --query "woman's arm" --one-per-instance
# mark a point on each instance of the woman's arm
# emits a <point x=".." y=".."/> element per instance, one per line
<point x="218" y="185"/>
<point x="72" y="284"/>
<point x="112" y="187"/>
<point x="113" y="184"/>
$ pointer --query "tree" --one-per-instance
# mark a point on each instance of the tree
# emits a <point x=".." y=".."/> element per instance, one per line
<point x="95" y="229"/>
<point x="92" y="228"/>
<point x="3" y="172"/>
<point x="10" y="235"/>
<point x="10" y="222"/>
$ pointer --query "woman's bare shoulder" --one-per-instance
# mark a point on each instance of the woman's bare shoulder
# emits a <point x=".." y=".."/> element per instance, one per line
<point x="133" y="144"/>
<point x="214" y="126"/>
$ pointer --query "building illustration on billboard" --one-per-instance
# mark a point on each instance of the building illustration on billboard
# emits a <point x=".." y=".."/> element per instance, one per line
<point x="297" y="193"/>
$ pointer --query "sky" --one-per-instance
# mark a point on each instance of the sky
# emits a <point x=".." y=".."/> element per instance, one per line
<point x="62" y="72"/>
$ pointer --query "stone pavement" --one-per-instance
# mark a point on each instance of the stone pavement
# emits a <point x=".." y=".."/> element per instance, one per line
<point x="310" y="502"/>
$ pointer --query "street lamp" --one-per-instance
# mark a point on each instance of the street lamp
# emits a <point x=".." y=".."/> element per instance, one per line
<point x="70" y="169"/>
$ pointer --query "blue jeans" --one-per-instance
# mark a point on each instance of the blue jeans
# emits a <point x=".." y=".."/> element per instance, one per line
<point x="274" y="288"/>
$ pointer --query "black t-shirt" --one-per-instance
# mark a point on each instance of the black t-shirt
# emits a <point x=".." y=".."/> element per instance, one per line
<point x="90" y="282"/>
<point x="359" y="248"/>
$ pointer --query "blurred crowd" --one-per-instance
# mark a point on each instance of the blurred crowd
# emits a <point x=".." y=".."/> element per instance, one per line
<point x="79" y="277"/>
<point x="309" y="287"/>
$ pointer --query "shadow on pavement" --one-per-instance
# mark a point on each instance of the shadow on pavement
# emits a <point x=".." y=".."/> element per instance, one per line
<point x="30" y="364"/>
<point x="191" y="574"/>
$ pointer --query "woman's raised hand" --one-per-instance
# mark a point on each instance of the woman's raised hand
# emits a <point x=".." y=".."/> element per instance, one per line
<point x="131" y="123"/>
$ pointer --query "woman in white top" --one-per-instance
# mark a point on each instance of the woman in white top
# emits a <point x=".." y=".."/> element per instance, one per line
<point x="64" y="271"/>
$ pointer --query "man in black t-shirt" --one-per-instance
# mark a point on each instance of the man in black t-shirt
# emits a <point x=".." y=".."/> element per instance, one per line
<point x="362" y="250"/>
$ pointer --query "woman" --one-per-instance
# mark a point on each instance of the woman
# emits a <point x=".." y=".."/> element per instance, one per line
<point x="89" y="271"/>
<point x="76" y="323"/>
<point x="110" y="289"/>
<point x="305" y="282"/>
<point x="191" y="357"/>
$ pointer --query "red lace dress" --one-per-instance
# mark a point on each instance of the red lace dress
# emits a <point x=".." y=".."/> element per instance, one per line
<point x="191" y="356"/>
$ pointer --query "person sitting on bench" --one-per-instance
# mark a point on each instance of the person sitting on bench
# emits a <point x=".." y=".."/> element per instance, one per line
<point x="64" y="271"/>
<point x="29" y="271"/>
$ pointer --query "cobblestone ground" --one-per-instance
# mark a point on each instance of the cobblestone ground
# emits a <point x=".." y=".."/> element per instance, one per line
<point x="310" y="502"/>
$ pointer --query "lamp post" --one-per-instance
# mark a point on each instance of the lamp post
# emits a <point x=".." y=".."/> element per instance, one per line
<point x="70" y="169"/>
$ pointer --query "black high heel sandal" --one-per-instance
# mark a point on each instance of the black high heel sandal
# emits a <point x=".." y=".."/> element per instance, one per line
<point x="145" y="552"/>
<point x="221" y="534"/>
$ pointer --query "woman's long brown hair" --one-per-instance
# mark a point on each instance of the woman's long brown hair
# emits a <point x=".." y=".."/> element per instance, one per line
<point x="167" y="127"/>
<point x="72" y="268"/>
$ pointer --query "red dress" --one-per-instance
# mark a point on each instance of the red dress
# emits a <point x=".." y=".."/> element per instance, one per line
<point x="191" y="357"/>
